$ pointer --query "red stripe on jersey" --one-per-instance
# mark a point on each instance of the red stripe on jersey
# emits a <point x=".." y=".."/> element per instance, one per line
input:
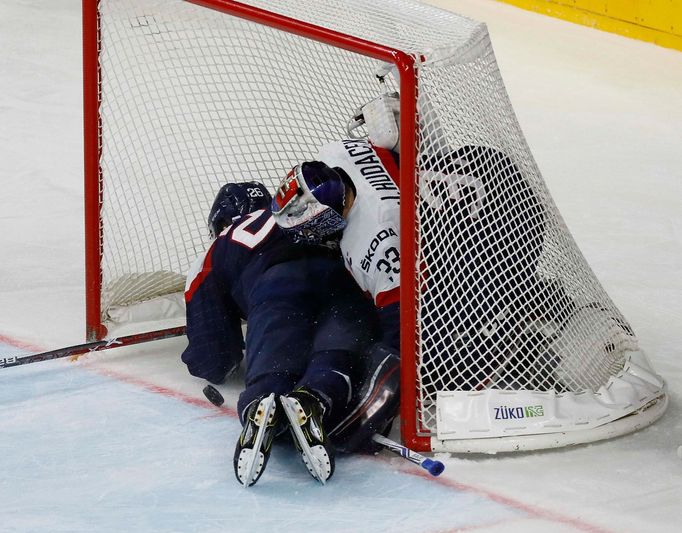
<point x="387" y="298"/>
<point x="386" y="158"/>
<point x="201" y="276"/>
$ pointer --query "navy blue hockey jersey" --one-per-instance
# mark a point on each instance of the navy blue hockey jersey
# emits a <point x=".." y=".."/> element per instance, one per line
<point x="227" y="282"/>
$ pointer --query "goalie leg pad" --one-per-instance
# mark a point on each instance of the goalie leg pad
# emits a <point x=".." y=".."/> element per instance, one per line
<point x="374" y="405"/>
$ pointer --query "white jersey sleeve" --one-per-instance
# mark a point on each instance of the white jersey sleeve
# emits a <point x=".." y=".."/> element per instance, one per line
<point x="371" y="241"/>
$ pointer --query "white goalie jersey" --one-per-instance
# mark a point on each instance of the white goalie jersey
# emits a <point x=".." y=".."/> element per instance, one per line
<point x="371" y="240"/>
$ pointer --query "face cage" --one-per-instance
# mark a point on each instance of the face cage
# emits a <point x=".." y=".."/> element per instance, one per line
<point x="317" y="228"/>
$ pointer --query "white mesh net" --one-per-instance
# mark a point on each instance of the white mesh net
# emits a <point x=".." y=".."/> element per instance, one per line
<point x="192" y="98"/>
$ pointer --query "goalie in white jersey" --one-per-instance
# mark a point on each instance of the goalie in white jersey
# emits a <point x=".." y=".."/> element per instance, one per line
<point x="477" y="295"/>
<point x="351" y="193"/>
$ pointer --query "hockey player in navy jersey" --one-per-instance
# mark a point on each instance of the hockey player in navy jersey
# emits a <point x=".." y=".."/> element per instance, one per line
<point x="307" y="322"/>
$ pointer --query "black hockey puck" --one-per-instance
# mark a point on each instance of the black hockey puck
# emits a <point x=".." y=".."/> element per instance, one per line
<point x="213" y="395"/>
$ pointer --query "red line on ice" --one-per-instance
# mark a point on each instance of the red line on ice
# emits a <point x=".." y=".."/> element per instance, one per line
<point x="20" y="344"/>
<point x="157" y="389"/>
<point x="530" y="510"/>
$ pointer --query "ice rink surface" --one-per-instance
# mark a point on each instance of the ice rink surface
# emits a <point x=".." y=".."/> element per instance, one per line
<point x="123" y="440"/>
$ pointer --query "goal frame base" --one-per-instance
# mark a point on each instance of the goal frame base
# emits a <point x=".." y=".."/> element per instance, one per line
<point x="635" y="421"/>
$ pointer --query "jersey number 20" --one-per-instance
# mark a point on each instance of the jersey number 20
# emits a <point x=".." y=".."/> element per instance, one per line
<point x="243" y="235"/>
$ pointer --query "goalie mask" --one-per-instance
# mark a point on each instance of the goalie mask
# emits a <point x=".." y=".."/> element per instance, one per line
<point x="236" y="200"/>
<point x="309" y="202"/>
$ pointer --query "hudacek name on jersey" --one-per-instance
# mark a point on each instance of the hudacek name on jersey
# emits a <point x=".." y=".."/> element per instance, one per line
<point x="364" y="156"/>
<point x="371" y="240"/>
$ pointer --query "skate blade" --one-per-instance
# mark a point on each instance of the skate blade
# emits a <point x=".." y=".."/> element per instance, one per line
<point x="250" y="464"/>
<point x="316" y="460"/>
<point x="254" y="458"/>
<point x="320" y="460"/>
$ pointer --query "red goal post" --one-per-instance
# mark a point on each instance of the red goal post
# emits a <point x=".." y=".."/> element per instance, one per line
<point x="508" y="341"/>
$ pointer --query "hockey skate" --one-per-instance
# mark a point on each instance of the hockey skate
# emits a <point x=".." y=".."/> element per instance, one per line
<point x="304" y="411"/>
<point x="261" y="423"/>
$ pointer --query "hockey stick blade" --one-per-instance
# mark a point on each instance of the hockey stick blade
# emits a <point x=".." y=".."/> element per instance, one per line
<point x="432" y="466"/>
<point x="95" y="346"/>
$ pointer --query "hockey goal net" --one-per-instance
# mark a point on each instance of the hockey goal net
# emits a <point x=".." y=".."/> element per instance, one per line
<point x="508" y="340"/>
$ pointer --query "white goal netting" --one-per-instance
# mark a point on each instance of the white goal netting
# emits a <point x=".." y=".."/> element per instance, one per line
<point x="191" y="98"/>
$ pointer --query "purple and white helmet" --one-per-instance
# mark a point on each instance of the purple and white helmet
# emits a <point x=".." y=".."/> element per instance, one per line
<point x="309" y="202"/>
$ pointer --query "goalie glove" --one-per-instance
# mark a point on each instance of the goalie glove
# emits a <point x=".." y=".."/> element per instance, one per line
<point x="381" y="117"/>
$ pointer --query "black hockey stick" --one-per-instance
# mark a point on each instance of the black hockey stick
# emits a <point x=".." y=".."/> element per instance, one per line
<point x="96" y="346"/>
<point x="432" y="466"/>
